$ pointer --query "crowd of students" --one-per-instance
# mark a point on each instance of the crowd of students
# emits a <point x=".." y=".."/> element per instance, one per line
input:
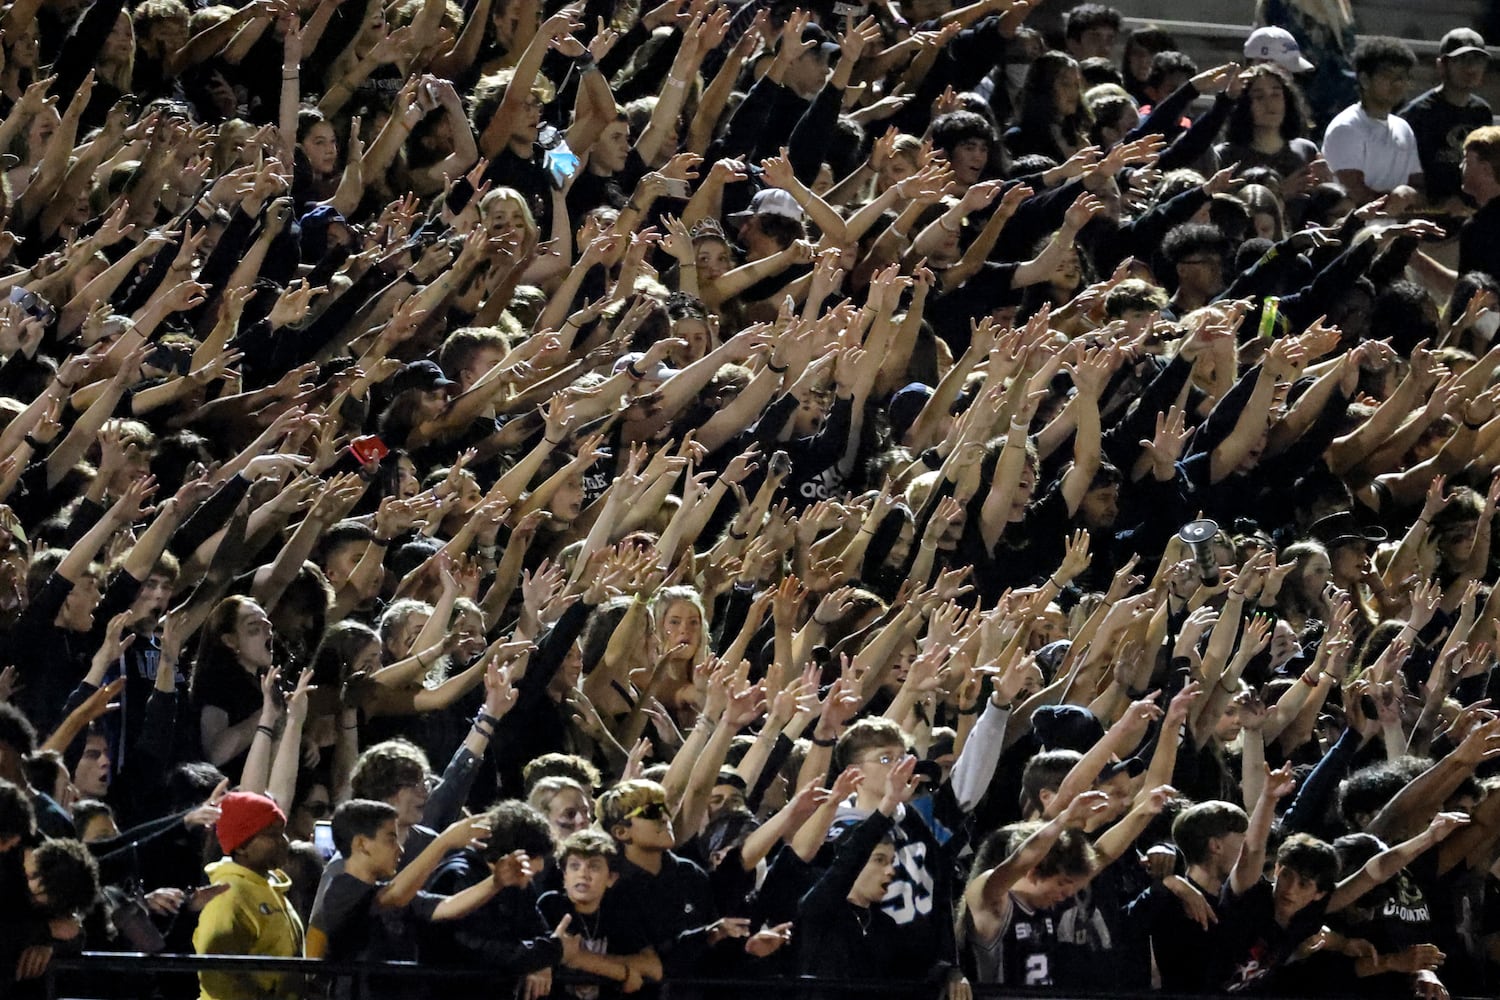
<point x="953" y="495"/>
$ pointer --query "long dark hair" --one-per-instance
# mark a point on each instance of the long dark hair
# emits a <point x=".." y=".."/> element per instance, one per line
<point x="1240" y="129"/>
<point x="1038" y="99"/>
<point x="216" y="664"/>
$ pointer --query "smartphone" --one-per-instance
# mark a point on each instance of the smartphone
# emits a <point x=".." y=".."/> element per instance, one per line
<point x="848" y="9"/>
<point x="33" y="304"/>
<point x="368" y="449"/>
<point x="677" y="188"/>
<point x="165" y="358"/>
<point x="323" y="839"/>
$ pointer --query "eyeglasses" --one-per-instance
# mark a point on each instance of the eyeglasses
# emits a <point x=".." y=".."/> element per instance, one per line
<point x="886" y="759"/>
<point x="651" y="810"/>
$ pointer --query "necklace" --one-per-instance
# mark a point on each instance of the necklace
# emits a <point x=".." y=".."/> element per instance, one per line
<point x="589" y="933"/>
<point x="863" y="917"/>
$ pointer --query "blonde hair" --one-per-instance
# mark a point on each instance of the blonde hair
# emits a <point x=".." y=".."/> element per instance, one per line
<point x="620" y="801"/>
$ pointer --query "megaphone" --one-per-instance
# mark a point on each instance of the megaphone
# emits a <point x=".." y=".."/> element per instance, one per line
<point x="1199" y="536"/>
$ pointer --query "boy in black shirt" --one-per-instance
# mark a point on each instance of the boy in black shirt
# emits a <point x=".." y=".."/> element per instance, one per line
<point x="669" y="893"/>
<point x="369" y="911"/>
<point x="845" y="929"/>
<point x="505" y="935"/>
<point x="612" y="945"/>
<point x="1210" y="836"/>
<point x="1268" y="927"/>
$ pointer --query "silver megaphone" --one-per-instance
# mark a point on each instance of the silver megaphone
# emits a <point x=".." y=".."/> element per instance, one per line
<point x="1199" y="536"/>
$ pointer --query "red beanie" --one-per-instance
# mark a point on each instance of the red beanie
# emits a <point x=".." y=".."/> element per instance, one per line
<point x="242" y="815"/>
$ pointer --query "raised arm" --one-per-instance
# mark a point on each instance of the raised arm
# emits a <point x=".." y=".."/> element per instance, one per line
<point x="1249" y="867"/>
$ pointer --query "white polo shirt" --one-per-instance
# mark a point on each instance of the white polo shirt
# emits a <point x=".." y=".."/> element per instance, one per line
<point x="1384" y="148"/>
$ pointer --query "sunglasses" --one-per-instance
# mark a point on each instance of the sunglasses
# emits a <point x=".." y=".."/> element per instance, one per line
<point x="651" y="811"/>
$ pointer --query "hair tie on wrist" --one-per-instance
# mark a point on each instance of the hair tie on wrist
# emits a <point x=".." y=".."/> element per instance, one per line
<point x="634" y="372"/>
<point x="826" y="744"/>
<point x="779" y="371"/>
<point x="738" y="536"/>
<point x="265" y="729"/>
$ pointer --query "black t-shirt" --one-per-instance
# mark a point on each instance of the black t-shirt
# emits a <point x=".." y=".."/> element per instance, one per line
<point x="1393" y="916"/>
<point x="51" y="660"/>
<point x="1033" y="547"/>
<point x="591" y="190"/>
<point x="609" y="930"/>
<point x="1253" y="947"/>
<point x="1441" y="128"/>
<point x="358" y="929"/>
<point x="671" y="905"/>
<point x="1289" y="159"/>
<point x="1182" y="948"/>
<point x="950" y="312"/>
<point x="528" y="176"/>
<point x="237" y="693"/>
<point x="1478" y="250"/>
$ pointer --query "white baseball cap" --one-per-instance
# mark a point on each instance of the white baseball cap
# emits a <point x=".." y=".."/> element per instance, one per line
<point x="1278" y="46"/>
<point x="770" y="201"/>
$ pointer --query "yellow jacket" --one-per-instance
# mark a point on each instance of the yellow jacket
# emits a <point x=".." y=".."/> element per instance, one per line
<point x="252" y="918"/>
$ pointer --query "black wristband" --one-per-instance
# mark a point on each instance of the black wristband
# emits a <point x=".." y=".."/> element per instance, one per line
<point x="33" y="443"/>
<point x="973" y="709"/>
<point x="779" y="371"/>
<point x="265" y="729"/>
<point x="824" y="743"/>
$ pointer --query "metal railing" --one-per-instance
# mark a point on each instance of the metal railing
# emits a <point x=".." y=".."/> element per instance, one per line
<point x="120" y="964"/>
<point x="127" y="964"/>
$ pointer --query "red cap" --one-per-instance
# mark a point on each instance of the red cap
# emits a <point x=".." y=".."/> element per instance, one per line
<point x="242" y="815"/>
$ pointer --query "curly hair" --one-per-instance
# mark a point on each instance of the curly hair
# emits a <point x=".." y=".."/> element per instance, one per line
<point x="17" y="819"/>
<point x="1240" y="129"/>
<point x="516" y="826"/>
<point x="16" y="731"/>
<point x="561" y="765"/>
<point x="1372" y="55"/>
<point x="386" y="768"/>
<point x="68" y="874"/>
